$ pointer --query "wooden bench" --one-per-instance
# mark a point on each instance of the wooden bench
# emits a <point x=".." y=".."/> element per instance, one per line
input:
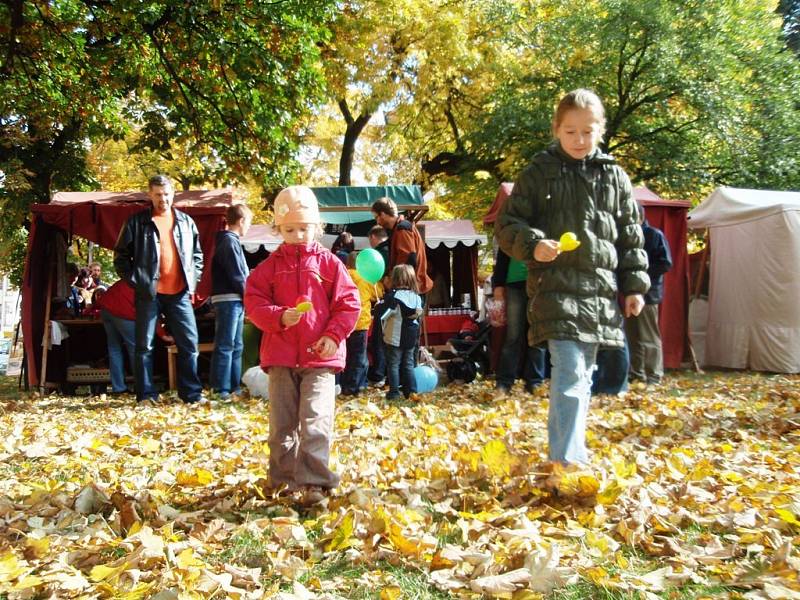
<point x="172" y="357"/>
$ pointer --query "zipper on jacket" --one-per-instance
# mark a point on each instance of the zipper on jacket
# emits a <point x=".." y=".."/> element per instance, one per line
<point x="297" y="287"/>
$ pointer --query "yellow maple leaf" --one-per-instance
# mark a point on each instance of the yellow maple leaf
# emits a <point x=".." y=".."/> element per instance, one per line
<point x="37" y="546"/>
<point x="496" y="457"/>
<point x="107" y="572"/>
<point x="610" y="493"/>
<point x="198" y="477"/>
<point x="391" y="592"/>
<point x="10" y="568"/>
<point x="342" y="535"/>
<point x="149" y="444"/>
<point x="787" y="516"/>
<point x="402" y="543"/>
<point x="187" y="559"/>
<point x="27" y="582"/>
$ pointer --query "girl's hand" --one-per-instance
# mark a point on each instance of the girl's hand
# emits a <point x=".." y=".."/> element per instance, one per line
<point x="546" y="251"/>
<point x="633" y="305"/>
<point x="290" y="317"/>
<point x="325" y="347"/>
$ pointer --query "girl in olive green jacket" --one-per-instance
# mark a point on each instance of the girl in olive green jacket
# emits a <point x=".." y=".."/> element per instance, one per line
<point x="572" y="187"/>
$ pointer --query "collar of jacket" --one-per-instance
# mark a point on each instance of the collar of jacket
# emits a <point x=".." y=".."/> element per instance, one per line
<point x="403" y="223"/>
<point x="595" y="157"/>
<point x="291" y="250"/>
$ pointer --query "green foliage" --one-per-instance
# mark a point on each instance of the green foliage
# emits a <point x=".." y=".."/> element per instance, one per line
<point x="686" y="111"/>
<point x="222" y="86"/>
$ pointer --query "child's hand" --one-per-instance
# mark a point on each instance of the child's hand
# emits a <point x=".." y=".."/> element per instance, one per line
<point x="325" y="347"/>
<point x="633" y="305"/>
<point x="546" y="250"/>
<point x="290" y="317"/>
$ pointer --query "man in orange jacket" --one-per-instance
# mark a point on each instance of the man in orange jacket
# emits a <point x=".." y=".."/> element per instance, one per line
<point x="405" y="242"/>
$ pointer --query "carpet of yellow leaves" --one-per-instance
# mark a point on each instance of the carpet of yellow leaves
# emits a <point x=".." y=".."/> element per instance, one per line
<point x="693" y="485"/>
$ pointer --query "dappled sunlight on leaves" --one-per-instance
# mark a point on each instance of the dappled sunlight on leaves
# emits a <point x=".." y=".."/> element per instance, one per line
<point x="693" y="483"/>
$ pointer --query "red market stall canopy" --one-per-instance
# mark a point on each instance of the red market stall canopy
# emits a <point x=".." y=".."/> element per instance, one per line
<point x="670" y="217"/>
<point x="98" y="217"/>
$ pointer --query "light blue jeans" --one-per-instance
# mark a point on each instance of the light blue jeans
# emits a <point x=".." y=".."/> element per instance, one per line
<point x="570" y="389"/>
<point x="226" y="361"/>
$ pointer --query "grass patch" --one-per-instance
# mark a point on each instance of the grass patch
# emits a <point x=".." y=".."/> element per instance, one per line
<point x="586" y="590"/>
<point x="245" y="549"/>
<point x="354" y="582"/>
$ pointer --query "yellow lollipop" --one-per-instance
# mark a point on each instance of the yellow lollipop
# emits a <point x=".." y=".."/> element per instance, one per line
<point x="568" y="242"/>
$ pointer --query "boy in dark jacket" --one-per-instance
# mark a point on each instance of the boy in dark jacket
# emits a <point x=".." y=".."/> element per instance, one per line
<point x="228" y="275"/>
<point x="644" y="337"/>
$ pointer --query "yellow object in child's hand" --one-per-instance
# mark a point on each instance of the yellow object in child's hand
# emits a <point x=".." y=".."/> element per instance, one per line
<point x="568" y="242"/>
<point x="303" y="304"/>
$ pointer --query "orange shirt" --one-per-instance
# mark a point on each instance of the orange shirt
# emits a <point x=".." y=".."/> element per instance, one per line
<point x="170" y="271"/>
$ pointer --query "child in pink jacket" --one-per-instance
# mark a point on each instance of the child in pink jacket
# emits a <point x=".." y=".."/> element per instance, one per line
<point x="306" y="304"/>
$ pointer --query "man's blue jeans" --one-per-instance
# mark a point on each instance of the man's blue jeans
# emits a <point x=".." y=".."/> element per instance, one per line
<point x="354" y="376"/>
<point x="226" y="361"/>
<point x="570" y="390"/>
<point x="119" y="333"/>
<point x="516" y="346"/>
<point x="177" y="308"/>
<point x="400" y="371"/>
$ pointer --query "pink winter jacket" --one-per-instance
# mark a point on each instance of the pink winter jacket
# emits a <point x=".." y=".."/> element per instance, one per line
<point x="274" y="285"/>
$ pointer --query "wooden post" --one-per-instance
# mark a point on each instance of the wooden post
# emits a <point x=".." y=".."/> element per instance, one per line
<point x="46" y="335"/>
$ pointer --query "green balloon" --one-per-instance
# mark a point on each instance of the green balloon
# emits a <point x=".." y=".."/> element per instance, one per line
<point x="370" y="265"/>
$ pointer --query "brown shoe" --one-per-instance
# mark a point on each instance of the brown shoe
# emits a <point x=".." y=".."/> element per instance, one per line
<point x="312" y="495"/>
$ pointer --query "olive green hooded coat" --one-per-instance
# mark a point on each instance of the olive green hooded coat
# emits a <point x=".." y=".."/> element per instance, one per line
<point x="574" y="297"/>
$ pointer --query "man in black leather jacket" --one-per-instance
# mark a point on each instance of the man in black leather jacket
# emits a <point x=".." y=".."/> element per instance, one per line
<point x="158" y="253"/>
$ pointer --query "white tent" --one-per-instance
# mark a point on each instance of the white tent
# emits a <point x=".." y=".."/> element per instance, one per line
<point x="754" y="286"/>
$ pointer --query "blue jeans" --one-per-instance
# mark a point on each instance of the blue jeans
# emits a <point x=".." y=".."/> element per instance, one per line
<point x="177" y="308"/>
<point x="570" y="390"/>
<point x="611" y="376"/>
<point x="516" y="344"/>
<point x="119" y="332"/>
<point x="377" y="370"/>
<point x="226" y="361"/>
<point x="354" y="376"/>
<point x="400" y="371"/>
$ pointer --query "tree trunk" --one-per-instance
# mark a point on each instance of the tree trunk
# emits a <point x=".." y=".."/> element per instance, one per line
<point x="354" y="129"/>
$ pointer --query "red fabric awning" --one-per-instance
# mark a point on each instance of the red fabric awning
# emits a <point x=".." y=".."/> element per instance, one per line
<point x="99" y="217"/>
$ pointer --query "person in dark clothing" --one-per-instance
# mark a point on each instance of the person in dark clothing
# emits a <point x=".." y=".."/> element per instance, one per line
<point x="228" y="276"/>
<point x="644" y="337"/>
<point x="158" y="253"/>
<point x="508" y="282"/>
<point x="343" y="245"/>
<point x="400" y="312"/>
<point x="378" y="240"/>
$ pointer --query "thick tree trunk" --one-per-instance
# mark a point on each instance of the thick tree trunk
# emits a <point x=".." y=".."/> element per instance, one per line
<point x="354" y="129"/>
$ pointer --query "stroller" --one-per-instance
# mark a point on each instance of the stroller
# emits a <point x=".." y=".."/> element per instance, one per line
<point x="471" y="349"/>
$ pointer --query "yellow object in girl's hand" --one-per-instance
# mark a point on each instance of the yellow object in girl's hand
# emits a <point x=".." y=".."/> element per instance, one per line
<point x="568" y="242"/>
<point x="303" y="304"/>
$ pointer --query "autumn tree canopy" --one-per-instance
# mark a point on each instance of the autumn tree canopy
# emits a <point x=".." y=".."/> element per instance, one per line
<point x="231" y="81"/>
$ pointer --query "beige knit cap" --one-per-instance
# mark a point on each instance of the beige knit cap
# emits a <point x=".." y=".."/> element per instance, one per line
<point x="296" y="204"/>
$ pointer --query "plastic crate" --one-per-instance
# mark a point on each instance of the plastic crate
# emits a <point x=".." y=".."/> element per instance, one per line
<point x="88" y="375"/>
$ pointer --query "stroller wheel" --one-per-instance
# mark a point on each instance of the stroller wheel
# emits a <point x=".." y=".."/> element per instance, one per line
<point x="461" y="370"/>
